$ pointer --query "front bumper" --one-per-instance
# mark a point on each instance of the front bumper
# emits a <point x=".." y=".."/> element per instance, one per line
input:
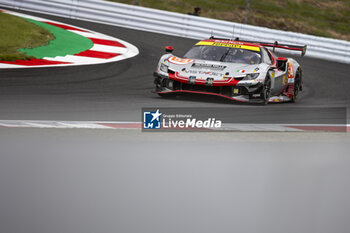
<point x="229" y="88"/>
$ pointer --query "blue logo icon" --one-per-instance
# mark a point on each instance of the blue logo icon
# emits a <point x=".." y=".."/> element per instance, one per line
<point x="151" y="120"/>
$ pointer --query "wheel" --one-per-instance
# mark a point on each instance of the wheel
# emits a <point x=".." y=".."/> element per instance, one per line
<point x="297" y="87"/>
<point x="265" y="94"/>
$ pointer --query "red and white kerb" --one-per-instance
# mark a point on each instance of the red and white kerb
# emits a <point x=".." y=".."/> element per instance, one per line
<point x="105" y="49"/>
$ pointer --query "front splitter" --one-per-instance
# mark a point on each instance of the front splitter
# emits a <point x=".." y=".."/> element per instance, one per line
<point x="239" y="98"/>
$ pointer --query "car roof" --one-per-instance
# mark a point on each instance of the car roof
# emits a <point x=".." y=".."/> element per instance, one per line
<point x="231" y="43"/>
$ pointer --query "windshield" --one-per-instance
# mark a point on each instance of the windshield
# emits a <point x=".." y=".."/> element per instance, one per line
<point x="223" y="54"/>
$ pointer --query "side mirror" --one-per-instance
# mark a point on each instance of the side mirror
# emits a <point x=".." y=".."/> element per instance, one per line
<point x="169" y="49"/>
<point x="281" y="63"/>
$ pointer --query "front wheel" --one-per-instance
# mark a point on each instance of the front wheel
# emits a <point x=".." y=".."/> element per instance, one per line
<point x="265" y="94"/>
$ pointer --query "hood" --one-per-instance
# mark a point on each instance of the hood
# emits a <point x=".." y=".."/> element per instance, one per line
<point x="204" y="69"/>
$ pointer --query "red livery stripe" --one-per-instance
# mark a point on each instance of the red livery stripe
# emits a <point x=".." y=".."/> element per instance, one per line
<point x="34" y="62"/>
<point x="97" y="54"/>
<point x="66" y="27"/>
<point x="197" y="92"/>
<point x="106" y="42"/>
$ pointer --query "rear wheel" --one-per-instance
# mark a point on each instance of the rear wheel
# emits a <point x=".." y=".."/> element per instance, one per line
<point x="266" y="92"/>
<point x="297" y="87"/>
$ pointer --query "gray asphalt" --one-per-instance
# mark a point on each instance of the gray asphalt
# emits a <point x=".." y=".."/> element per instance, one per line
<point x="118" y="91"/>
<point x="104" y="181"/>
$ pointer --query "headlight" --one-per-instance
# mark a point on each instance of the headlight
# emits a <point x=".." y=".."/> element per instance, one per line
<point x="164" y="68"/>
<point x="251" y="76"/>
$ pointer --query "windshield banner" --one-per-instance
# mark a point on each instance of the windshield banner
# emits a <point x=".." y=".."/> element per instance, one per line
<point x="230" y="45"/>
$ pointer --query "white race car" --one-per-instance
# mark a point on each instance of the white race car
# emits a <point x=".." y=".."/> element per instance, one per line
<point x="239" y="70"/>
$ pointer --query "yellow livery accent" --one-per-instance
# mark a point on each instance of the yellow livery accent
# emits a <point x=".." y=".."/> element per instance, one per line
<point x="238" y="46"/>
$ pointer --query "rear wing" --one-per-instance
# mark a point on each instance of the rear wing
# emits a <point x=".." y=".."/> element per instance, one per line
<point x="275" y="45"/>
<point x="301" y="48"/>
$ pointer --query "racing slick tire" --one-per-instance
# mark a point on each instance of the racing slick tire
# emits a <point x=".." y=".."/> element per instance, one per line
<point x="297" y="86"/>
<point x="266" y="91"/>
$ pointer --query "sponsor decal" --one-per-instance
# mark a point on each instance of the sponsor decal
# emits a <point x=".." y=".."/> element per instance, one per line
<point x="273" y="74"/>
<point x="291" y="80"/>
<point x="291" y="73"/>
<point x="284" y="80"/>
<point x="212" y="66"/>
<point x="290" y="70"/>
<point x="179" y="61"/>
<point x="192" y="80"/>
<point x="209" y="82"/>
<point x="202" y="72"/>
<point x="230" y="45"/>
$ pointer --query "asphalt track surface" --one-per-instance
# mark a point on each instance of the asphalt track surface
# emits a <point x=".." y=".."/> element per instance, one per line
<point x="118" y="91"/>
<point x="76" y="180"/>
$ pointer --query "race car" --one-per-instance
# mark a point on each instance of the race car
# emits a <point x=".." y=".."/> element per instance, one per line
<point x="244" y="71"/>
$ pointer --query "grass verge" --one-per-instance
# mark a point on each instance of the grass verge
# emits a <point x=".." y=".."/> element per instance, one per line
<point x="329" y="18"/>
<point x="17" y="33"/>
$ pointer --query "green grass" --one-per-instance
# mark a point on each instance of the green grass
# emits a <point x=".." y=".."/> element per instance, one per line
<point x="17" y="33"/>
<point x="329" y="18"/>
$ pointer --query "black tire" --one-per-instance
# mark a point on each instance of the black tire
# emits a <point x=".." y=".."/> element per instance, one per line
<point x="297" y="87"/>
<point x="266" y="92"/>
